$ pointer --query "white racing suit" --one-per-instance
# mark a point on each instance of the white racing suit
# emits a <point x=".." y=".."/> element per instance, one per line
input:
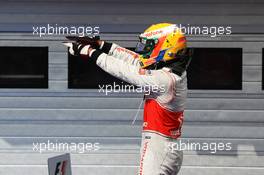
<point x="163" y="109"/>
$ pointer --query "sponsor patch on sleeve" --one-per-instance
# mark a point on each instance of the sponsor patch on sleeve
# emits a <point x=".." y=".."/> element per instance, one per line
<point x="144" y="72"/>
<point x="123" y="50"/>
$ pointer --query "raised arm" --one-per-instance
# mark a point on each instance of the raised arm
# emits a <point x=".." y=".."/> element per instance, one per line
<point x="118" y="52"/>
<point x="132" y="73"/>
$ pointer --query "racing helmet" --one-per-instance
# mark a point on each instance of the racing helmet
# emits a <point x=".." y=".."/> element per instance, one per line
<point x="161" y="42"/>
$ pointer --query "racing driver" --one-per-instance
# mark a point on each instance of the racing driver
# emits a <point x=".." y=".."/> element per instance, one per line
<point x="160" y="60"/>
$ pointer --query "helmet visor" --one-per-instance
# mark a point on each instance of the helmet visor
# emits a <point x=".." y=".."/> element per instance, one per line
<point x="145" y="46"/>
<point x="140" y="48"/>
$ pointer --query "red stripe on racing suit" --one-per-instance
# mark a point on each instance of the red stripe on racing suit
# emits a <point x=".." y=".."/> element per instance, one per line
<point x="161" y="120"/>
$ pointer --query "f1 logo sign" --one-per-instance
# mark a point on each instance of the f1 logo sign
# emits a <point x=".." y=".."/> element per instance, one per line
<point x="60" y="168"/>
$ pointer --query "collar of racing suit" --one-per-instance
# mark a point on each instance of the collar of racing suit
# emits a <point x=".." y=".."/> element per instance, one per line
<point x="171" y="66"/>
